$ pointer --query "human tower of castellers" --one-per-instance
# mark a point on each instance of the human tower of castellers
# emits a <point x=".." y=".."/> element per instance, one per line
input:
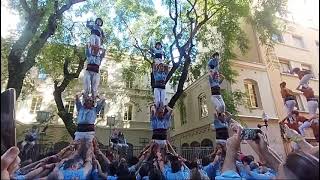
<point x="82" y="158"/>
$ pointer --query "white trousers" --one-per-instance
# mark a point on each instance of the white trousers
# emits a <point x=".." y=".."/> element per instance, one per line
<point x="91" y="81"/>
<point x="218" y="103"/>
<point x="312" y="107"/>
<point x="158" y="61"/>
<point x="305" y="79"/>
<point x="159" y="96"/>
<point x="290" y="106"/>
<point x="304" y="126"/>
<point x="88" y="136"/>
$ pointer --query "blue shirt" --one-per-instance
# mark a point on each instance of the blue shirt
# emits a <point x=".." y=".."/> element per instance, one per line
<point x="219" y="124"/>
<point x="72" y="174"/>
<point x="215" y="80"/>
<point x="88" y="116"/>
<point x="213" y="64"/>
<point x="227" y="175"/>
<point x="158" y="53"/>
<point x="94" y="59"/>
<point x="164" y="123"/>
<point x="160" y="73"/>
<point x="183" y="174"/>
<point x="95" y="29"/>
<point x="212" y="169"/>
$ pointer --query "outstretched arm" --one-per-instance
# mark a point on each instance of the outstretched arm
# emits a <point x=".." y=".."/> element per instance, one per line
<point x="78" y="103"/>
<point x="100" y="104"/>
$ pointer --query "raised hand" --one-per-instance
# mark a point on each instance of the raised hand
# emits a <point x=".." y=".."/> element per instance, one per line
<point x="9" y="162"/>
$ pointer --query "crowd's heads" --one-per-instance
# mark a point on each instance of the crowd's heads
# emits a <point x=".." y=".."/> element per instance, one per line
<point x="175" y="164"/>
<point x="254" y="165"/>
<point x="195" y="174"/>
<point x="206" y="160"/>
<point x="74" y="163"/>
<point x="99" y="22"/>
<point x="299" y="166"/>
<point x="262" y="169"/>
<point x="158" y="45"/>
<point x="246" y="160"/>
<point x="155" y="174"/>
<point x="88" y="102"/>
<point x="283" y="84"/>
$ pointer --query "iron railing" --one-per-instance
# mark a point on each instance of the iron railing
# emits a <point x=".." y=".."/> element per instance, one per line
<point x="188" y="153"/>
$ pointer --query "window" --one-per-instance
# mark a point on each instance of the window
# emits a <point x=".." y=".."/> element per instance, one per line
<point x="277" y="38"/>
<point x="101" y="113"/>
<point x="129" y="83"/>
<point x="183" y="113"/>
<point x="36" y="104"/>
<point x="299" y="104"/>
<point x="251" y="90"/>
<point x="285" y="67"/>
<point x="172" y="122"/>
<point x="203" y="106"/>
<point x="143" y="141"/>
<point x="298" y="42"/>
<point x="127" y="113"/>
<point x="70" y="106"/>
<point x="104" y="77"/>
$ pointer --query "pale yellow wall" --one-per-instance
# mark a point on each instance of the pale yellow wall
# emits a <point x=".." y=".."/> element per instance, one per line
<point x="257" y="73"/>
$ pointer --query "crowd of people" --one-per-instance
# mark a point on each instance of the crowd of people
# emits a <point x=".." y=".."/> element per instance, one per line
<point x="83" y="159"/>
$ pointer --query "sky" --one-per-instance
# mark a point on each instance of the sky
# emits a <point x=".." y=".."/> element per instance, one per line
<point x="301" y="10"/>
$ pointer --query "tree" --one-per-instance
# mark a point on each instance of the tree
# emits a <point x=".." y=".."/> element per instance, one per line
<point x="41" y="21"/>
<point x="197" y="28"/>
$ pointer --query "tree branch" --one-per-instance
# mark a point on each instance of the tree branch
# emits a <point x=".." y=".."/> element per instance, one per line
<point x="49" y="31"/>
<point x="25" y="7"/>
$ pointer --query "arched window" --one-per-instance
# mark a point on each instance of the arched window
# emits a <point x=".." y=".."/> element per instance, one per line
<point x="206" y="143"/>
<point x="203" y="105"/>
<point x="127" y="116"/>
<point x="70" y="105"/>
<point x="195" y="144"/>
<point x="252" y="90"/>
<point x="184" y="145"/>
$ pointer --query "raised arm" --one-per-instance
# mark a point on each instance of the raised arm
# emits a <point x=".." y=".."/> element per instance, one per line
<point x="267" y="153"/>
<point x="233" y="145"/>
<point x="89" y="25"/>
<point x="100" y="104"/>
<point x="153" y="110"/>
<point x="78" y="103"/>
<point x="300" y="140"/>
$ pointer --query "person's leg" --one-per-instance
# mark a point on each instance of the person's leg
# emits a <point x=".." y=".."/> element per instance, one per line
<point x="290" y="107"/>
<point x="156" y="95"/>
<point x="162" y="96"/>
<point x="95" y="84"/>
<point x="305" y="79"/>
<point x="303" y="126"/>
<point x="312" y="108"/>
<point x="86" y="83"/>
<point x="216" y="103"/>
<point x="222" y="104"/>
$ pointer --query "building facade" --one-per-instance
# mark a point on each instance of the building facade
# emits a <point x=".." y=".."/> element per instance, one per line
<point x="127" y="105"/>
<point x="259" y="76"/>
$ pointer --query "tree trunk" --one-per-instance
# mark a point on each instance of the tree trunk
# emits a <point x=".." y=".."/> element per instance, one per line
<point x="16" y="77"/>
<point x="66" y="117"/>
<point x="182" y="80"/>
